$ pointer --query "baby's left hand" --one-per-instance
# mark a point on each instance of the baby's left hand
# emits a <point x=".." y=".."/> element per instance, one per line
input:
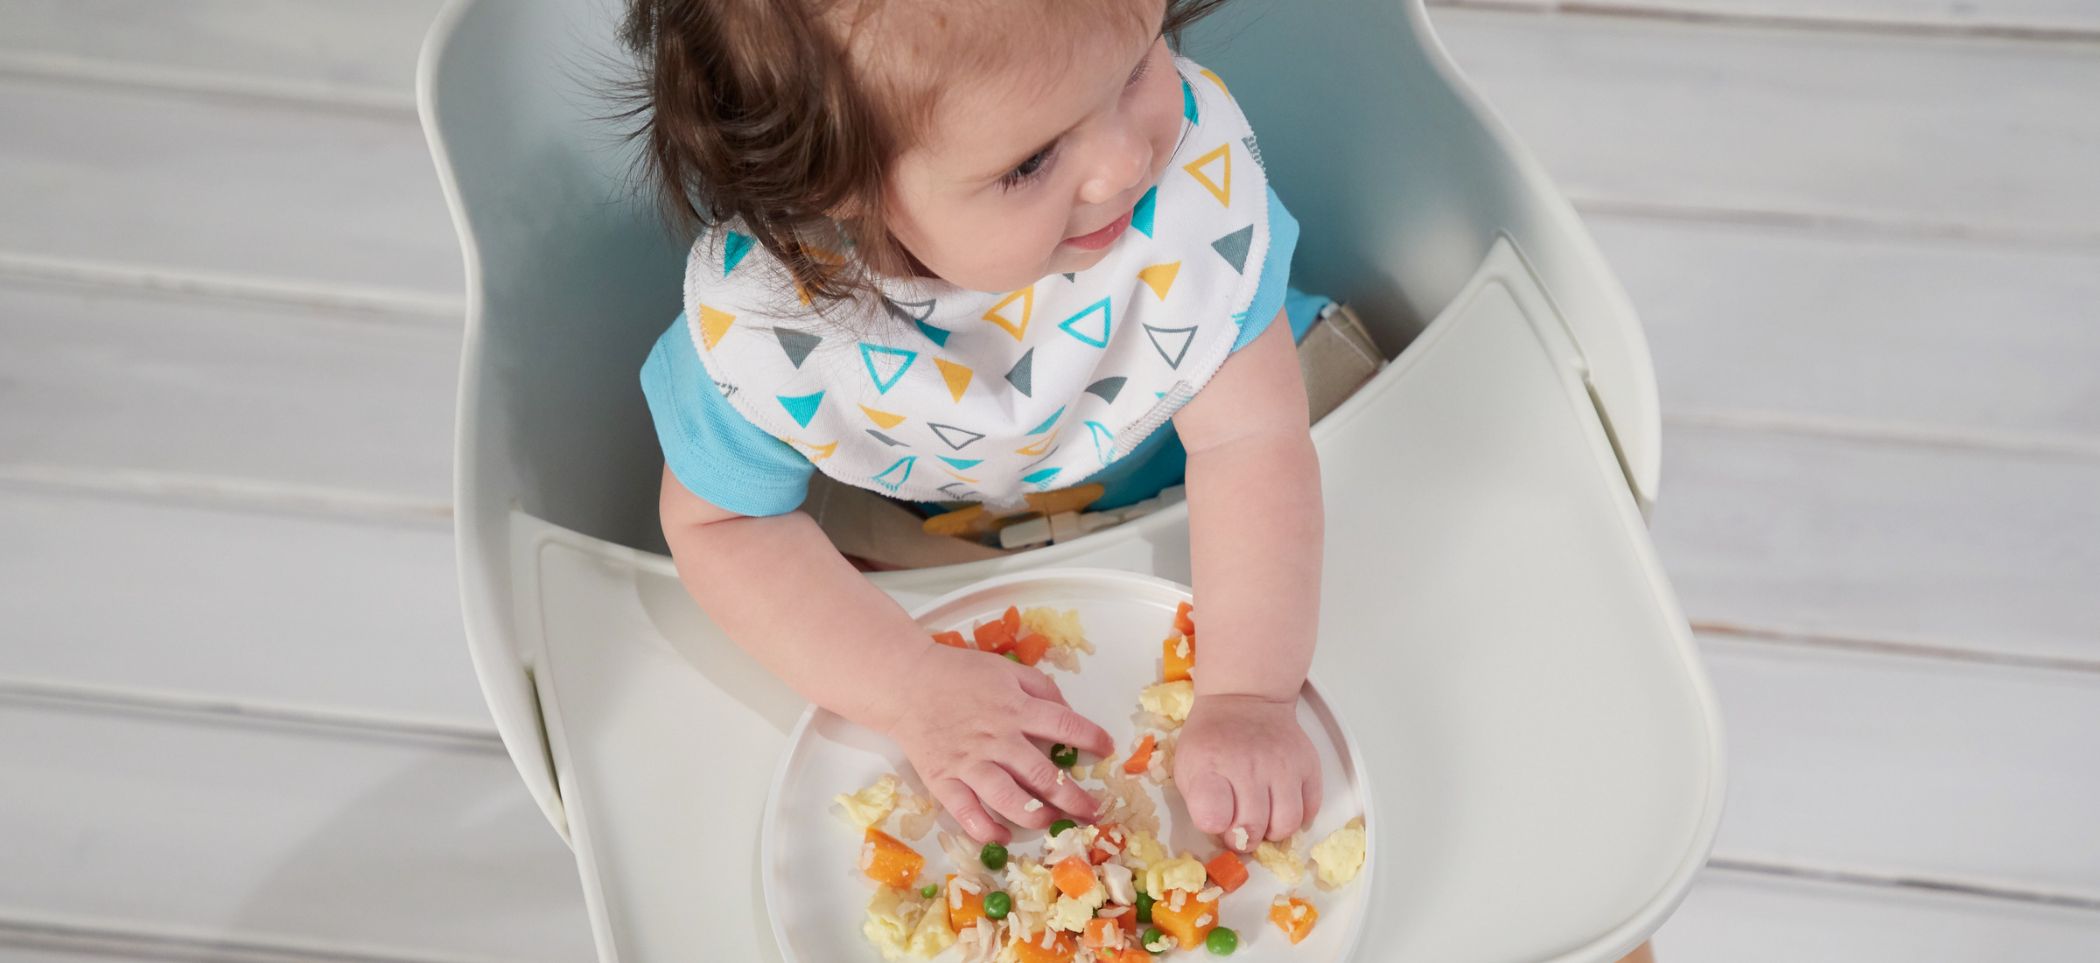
<point x="1243" y="763"/>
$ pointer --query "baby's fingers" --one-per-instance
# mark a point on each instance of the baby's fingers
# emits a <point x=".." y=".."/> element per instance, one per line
<point x="1250" y="813"/>
<point x="1006" y="797"/>
<point x="963" y="804"/>
<point x="1286" y="810"/>
<point x="1209" y="798"/>
<point x="1035" y="772"/>
<point x="1058" y="723"/>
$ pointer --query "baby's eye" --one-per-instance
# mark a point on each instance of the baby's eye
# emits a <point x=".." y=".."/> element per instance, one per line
<point x="1028" y="169"/>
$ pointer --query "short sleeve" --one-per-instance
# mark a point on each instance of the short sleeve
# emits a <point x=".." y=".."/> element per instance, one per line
<point x="1275" y="273"/>
<point x="712" y="449"/>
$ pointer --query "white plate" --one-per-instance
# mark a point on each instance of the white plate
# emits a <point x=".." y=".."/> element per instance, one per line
<point x="816" y="897"/>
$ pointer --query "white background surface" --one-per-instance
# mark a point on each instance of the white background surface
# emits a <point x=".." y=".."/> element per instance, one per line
<point x="1864" y="235"/>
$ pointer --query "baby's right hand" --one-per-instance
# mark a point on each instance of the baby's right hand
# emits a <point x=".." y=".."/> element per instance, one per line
<point x="965" y="720"/>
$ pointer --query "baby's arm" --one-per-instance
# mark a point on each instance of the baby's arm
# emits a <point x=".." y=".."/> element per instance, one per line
<point x="1255" y="528"/>
<point x="964" y="718"/>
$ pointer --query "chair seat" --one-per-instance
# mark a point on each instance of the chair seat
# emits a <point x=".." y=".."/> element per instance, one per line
<point x="1541" y="748"/>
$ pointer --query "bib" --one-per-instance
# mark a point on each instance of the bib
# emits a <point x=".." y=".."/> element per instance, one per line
<point x="937" y="393"/>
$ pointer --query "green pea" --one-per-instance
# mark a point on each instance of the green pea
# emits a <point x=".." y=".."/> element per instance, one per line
<point x="1014" y="657"/>
<point x="1058" y="827"/>
<point x="1144" y="908"/>
<point x="929" y="891"/>
<point x="993" y="856"/>
<point x="1222" y="942"/>
<point x="1151" y="941"/>
<point x="1064" y="756"/>
<point x="997" y="904"/>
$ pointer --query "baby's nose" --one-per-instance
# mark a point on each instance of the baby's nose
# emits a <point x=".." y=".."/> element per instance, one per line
<point x="1122" y="167"/>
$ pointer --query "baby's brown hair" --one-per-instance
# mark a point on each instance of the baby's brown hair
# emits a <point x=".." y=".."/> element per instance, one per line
<point x="754" y="111"/>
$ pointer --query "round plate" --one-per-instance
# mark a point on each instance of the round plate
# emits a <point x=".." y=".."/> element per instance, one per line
<point x="815" y="896"/>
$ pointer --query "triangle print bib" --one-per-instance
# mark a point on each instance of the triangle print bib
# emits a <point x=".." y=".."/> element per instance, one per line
<point x="937" y="393"/>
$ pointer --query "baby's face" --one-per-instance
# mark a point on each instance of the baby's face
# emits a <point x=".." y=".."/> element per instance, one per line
<point x="1034" y="172"/>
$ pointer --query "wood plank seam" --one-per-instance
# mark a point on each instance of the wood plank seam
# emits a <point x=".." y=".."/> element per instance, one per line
<point x="27" y="930"/>
<point x="204" y="710"/>
<point x="1903" y="27"/>
<point x="226" y="87"/>
<point x="2079" y="448"/>
<point x="394" y="306"/>
<point x="1944" y="651"/>
<point x="1999" y="892"/>
<point x="226" y="492"/>
<point x="1836" y="223"/>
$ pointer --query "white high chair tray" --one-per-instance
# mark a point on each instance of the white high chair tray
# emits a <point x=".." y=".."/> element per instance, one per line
<point x="815" y="895"/>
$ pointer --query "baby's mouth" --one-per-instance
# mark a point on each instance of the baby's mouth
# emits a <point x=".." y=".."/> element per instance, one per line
<point x="1102" y="238"/>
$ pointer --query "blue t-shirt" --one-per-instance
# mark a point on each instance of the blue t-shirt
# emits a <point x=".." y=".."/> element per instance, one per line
<point x="726" y="460"/>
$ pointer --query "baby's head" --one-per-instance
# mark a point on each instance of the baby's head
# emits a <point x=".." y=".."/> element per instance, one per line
<point x="988" y="143"/>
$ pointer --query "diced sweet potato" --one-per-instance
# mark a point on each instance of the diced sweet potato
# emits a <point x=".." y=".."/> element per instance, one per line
<point x="1032" y="950"/>
<point x="1104" y="933"/>
<point x="1295" y="917"/>
<point x="1185" y="619"/>
<point x="1141" y="757"/>
<point x="1074" y="877"/>
<point x="1189" y="923"/>
<point x="1177" y="658"/>
<point x="888" y="861"/>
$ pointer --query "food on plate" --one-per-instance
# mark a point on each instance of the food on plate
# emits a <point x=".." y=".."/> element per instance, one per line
<point x="1283" y="859"/>
<point x="1103" y="892"/>
<point x="1340" y="856"/>
<point x="1294" y="916"/>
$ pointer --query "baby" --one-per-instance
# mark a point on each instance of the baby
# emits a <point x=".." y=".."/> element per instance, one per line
<point x="961" y="251"/>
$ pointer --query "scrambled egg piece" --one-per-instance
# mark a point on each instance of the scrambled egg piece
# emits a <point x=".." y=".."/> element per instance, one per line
<point x="1341" y="855"/>
<point x="889" y="924"/>
<point x="1182" y="872"/>
<point x="1031" y="882"/>
<point x="1061" y="628"/>
<point x="1282" y="860"/>
<point x="933" y="935"/>
<point x="1170" y="700"/>
<point x="1141" y="850"/>
<point x="870" y="806"/>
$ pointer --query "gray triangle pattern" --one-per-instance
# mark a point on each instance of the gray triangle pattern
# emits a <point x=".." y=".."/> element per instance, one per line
<point x="1107" y="388"/>
<point x="1233" y="247"/>
<point x="1021" y="375"/>
<point x="797" y="344"/>
<point x="887" y="440"/>
<point x="1173" y="358"/>
<point x="949" y="434"/>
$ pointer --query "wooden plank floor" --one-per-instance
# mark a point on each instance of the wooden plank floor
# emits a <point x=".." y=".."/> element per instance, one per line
<point x="1864" y="235"/>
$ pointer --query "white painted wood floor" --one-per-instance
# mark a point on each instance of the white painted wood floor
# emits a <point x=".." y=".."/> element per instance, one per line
<point x="1865" y="235"/>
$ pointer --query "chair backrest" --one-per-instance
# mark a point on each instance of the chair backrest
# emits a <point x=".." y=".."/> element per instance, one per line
<point x="1403" y="177"/>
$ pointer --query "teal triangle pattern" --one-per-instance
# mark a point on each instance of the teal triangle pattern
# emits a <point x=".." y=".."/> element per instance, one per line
<point x="1104" y="441"/>
<point x="962" y="464"/>
<point x="1188" y="100"/>
<point x="901" y="470"/>
<point x="1141" y="215"/>
<point x="1233" y="247"/>
<point x="939" y="336"/>
<point x="1047" y="422"/>
<point x="801" y="407"/>
<point x="1041" y="476"/>
<point x="1071" y="325"/>
<point x="896" y="360"/>
<point x="734" y="248"/>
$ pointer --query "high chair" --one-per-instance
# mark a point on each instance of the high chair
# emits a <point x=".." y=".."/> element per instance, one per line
<point x="1541" y="741"/>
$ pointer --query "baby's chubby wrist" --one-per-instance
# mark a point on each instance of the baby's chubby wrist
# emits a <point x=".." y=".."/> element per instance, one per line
<point x="889" y="682"/>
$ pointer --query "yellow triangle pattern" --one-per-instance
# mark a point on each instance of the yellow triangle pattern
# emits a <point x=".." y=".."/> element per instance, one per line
<point x="1220" y="188"/>
<point x="1019" y="329"/>
<point x="815" y="452"/>
<point x="713" y="325"/>
<point x="882" y="419"/>
<point x="1038" y="447"/>
<point x="958" y="476"/>
<point x="1160" y="277"/>
<point x="957" y="376"/>
<point x="1214" y="79"/>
